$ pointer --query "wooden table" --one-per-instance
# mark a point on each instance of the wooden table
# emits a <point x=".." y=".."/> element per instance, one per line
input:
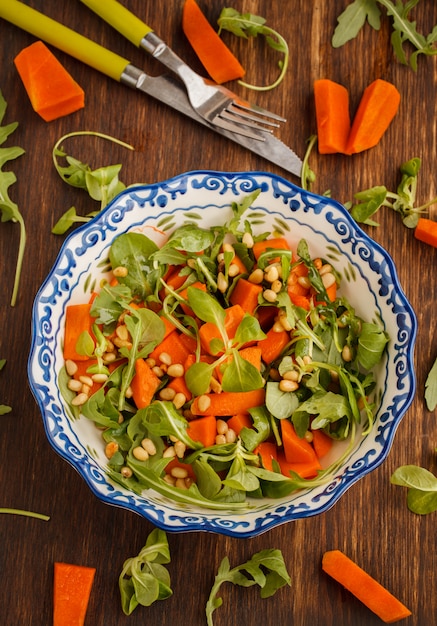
<point x="371" y="522"/>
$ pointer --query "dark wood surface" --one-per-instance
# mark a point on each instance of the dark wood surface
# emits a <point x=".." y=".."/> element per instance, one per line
<point x="371" y="522"/>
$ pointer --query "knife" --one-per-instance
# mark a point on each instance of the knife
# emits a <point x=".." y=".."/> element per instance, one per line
<point x="163" y="88"/>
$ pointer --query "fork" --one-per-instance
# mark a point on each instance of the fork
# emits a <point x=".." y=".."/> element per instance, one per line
<point x="215" y="103"/>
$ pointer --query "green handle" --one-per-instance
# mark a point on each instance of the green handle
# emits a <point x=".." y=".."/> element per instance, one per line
<point x="64" y="38"/>
<point x="128" y="24"/>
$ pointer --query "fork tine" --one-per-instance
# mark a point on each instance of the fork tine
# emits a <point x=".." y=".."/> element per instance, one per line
<point x="238" y="128"/>
<point x="248" y="115"/>
<point x="243" y="121"/>
<point x="254" y="108"/>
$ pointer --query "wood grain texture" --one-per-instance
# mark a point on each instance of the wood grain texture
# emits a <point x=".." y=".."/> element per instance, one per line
<point x="371" y="522"/>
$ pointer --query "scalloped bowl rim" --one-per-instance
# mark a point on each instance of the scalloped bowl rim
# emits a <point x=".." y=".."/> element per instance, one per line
<point x="291" y="204"/>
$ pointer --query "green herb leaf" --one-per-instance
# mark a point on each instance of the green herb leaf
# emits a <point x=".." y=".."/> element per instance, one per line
<point x="133" y="251"/>
<point x="9" y="210"/>
<point x="353" y="18"/>
<point x="266" y="569"/>
<point x="421" y="485"/>
<point x="431" y="388"/>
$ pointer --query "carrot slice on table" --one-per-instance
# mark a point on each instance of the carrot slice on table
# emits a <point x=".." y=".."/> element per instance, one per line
<point x="332" y="116"/>
<point x="376" y="597"/>
<point x="228" y="403"/>
<point x="378" y="106"/>
<point x="77" y="321"/>
<point x="72" y="586"/>
<point x="426" y="231"/>
<point x="53" y="93"/>
<point x="213" y="53"/>
<point x="144" y="384"/>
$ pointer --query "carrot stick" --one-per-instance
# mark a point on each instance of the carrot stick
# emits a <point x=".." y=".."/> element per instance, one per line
<point x="426" y="231"/>
<point x="144" y="384"/>
<point x="378" y="106"/>
<point x="203" y="429"/>
<point x="273" y="344"/>
<point x="278" y="243"/>
<point x="77" y="321"/>
<point x="332" y="116"/>
<point x="53" y="93"/>
<point x="230" y="403"/>
<point x="376" y="597"/>
<point x="72" y="586"/>
<point x="215" y="56"/>
<point x="246" y="295"/>
<point x="296" y="449"/>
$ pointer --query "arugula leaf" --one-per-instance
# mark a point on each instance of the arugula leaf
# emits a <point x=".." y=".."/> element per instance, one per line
<point x="353" y="18"/>
<point x="9" y="210"/>
<point x="431" y="388"/>
<point x="421" y="485"/>
<point x="144" y="579"/>
<point x="248" y="25"/>
<point x="133" y="251"/>
<point x="266" y="569"/>
<point x="101" y="184"/>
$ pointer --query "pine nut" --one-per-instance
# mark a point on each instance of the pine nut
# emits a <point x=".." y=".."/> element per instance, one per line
<point x="179" y="472"/>
<point x="74" y="385"/>
<point x="126" y="472"/>
<point x="165" y="358"/>
<point x="220" y="439"/>
<point x="176" y="370"/>
<point x="80" y="399"/>
<point x="180" y="483"/>
<point x="271" y="274"/>
<point x="85" y="389"/>
<point x="167" y="394"/>
<point x="140" y="454"/>
<point x="100" y="378"/>
<point x="171" y="480"/>
<point x="86" y="380"/>
<point x="247" y="239"/>
<point x="169" y="453"/>
<point x="215" y="385"/>
<point x="227" y="247"/>
<point x="158" y="371"/>
<point x="70" y="367"/>
<point x="179" y="400"/>
<point x="276" y="286"/>
<point x="291" y="375"/>
<point x="122" y="332"/>
<point x="109" y="357"/>
<point x="150" y="362"/>
<point x="110" y="449"/>
<point x="256" y="277"/>
<point x="325" y="269"/>
<point x="346" y="354"/>
<point x="203" y="403"/>
<point x="328" y="280"/>
<point x="122" y="343"/>
<point x="288" y="385"/>
<point x="270" y="295"/>
<point x="277" y="327"/>
<point x="120" y="271"/>
<point x="231" y="436"/>
<point x="308" y="436"/>
<point x="304" y="281"/>
<point x="180" y="449"/>
<point x="222" y="283"/>
<point x="233" y="270"/>
<point x="129" y="393"/>
<point x="148" y="446"/>
<point x="222" y="427"/>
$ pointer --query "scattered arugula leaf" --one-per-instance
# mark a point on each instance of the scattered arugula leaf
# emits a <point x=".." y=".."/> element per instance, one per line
<point x="353" y="18"/>
<point x="266" y="569"/>
<point x="248" y="25"/>
<point x="144" y="579"/>
<point x="421" y="485"/>
<point x="41" y="516"/>
<point x="101" y="184"/>
<point x="401" y="201"/>
<point x="3" y="407"/>
<point x="431" y="388"/>
<point x="8" y="209"/>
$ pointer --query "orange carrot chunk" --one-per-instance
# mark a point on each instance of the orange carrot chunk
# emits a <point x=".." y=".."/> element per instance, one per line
<point x="209" y="331"/>
<point x="246" y="295"/>
<point x="322" y="443"/>
<point x="296" y="449"/>
<point x="376" y="597"/>
<point x="72" y="586"/>
<point x="144" y="384"/>
<point x="240" y="421"/>
<point x="213" y="53"/>
<point x="77" y="321"/>
<point x="306" y="469"/>
<point x="332" y="116"/>
<point x="203" y="429"/>
<point x="53" y="93"/>
<point x="267" y="451"/>
<point x="273" y="344"/>
<point x="426" y="231"/>
<point x="228" y="403"/>
<point x="378" y="106"/>
<point x="275" y="243"/>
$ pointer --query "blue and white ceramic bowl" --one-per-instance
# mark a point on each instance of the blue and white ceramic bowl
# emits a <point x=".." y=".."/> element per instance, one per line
<point x="369" y="281"/>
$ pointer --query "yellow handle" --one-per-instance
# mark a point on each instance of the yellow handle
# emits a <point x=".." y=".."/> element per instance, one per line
<point x="64" y="38"/>
<point x="128" y="24"/>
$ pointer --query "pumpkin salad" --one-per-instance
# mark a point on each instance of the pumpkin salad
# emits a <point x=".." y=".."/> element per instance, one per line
<point x="222" y="365"/>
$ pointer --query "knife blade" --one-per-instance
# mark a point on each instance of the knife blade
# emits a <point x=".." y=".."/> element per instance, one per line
<point x="163" y="88"/>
